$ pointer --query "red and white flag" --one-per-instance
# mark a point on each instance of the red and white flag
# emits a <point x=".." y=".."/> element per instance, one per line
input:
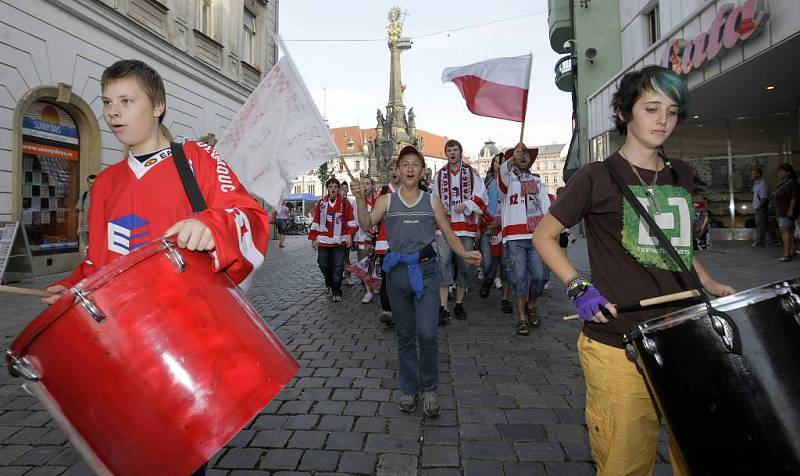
<point x="495" y="88"/>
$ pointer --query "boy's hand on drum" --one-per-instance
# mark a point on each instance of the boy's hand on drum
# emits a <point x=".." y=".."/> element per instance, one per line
<point x="192" y="234"/>
<point x="472" y="257"/>
<point x="57" y="291"/>
<point x="719" y="289"/>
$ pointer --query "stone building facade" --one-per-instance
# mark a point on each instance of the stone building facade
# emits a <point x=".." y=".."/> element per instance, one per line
<point x="211" y="54"/>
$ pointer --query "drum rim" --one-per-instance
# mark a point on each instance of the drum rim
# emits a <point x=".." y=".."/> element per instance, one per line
<point x="724" y="304"/>
<point x="101" y="276"/>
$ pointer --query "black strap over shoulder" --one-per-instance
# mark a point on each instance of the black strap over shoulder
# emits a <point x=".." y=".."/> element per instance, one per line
<point x="187" y="178"/>
<point x="654" y="228"/>
<point x="722" y="323"/>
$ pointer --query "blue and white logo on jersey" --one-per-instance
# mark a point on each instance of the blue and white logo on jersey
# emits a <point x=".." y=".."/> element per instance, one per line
<point x="127" y="233"/>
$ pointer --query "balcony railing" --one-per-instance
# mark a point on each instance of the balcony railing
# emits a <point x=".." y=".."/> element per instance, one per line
<point x="564" y="76"/>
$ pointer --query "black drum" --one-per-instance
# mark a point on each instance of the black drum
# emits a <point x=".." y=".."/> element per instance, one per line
<point x="729" y="386"/>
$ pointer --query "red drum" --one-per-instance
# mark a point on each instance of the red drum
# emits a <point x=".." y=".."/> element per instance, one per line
<point x="153" y="363"/>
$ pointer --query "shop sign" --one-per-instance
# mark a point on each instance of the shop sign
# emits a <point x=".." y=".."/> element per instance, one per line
<point x="731" y="26"/>
<point x="46" y="121"/>
<point x="51" y="151"/>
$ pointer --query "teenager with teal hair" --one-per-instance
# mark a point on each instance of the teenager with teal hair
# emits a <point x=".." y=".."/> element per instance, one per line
<point x="627" y="264"/>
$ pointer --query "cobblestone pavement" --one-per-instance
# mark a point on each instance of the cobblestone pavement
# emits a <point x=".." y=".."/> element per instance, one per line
<point x="510" y="405"/>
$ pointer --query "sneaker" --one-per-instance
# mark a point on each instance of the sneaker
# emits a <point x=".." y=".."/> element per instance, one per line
<point x="506" y="307"/>
<point x="386" y="318"/>
<point x="480" y="275"/>
<point x="755" y="245"/>
<point x="547" y="285"/>
<point x="444" y="316"/>
<point x="328" y="292"/>
<point x="784" y="258"/>
<point x="352" y="280"/>
<point x="367" y="298"/>
<point x="408" y="403"/>
<point x="498" y="283"/>
<point x="486" y="286"/>
<point x="430" y="404"/>
<point x="337" y="298"/>
<point x="459" y="311"/>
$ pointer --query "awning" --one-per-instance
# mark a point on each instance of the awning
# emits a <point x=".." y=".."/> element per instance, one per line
<point x="304" y="197"/>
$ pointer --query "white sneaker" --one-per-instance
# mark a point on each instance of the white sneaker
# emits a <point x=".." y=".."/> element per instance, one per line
<point x="498" y="283"/>
<point x="480" y="275"/>
<point x="367" y="298"/>
<point x="352" y="280"/>
<point x="547" y="285"/>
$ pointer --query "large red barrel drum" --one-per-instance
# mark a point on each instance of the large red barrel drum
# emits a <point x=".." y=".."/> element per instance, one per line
<point x="153" y="363"/>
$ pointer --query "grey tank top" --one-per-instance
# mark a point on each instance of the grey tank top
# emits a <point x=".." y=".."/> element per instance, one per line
<point x="410" y="228"/>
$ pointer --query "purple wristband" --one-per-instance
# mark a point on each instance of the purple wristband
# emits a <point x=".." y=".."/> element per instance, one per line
<point x="589" y="303"/>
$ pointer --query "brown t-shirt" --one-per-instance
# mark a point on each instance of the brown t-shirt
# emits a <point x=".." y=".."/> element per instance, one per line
<point x="627" y="265"/>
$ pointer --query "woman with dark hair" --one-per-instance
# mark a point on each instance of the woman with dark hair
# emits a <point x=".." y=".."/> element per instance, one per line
<point x="492" y="238"/>
<point x="785" y="199"/>
<point x="627" y="264"/>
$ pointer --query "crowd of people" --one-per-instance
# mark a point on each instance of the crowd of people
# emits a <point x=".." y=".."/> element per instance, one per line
<point x="495" y="215"/>
<point x="413" y="241"/>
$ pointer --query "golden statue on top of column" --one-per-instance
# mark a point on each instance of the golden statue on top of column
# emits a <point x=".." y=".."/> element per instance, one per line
<point x="395" y="28"/>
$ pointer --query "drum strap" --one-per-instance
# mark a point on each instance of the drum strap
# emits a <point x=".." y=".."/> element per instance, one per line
<point x="187" y="178"/>
<point x="734" y="342"/>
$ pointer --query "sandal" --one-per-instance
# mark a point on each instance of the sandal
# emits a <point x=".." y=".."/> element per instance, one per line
<point x="505" y="306"/>
<point x="533" y="317"/>
<point x="522" y="328"/>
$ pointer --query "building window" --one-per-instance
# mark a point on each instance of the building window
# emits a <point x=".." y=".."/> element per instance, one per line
<point x="351" y="144"/>
<point x="298" y="190"/>
<point x="358" y="165"/>
<point x="653" y="26"/>
<point x="249" y="37"/>
<point x="311" y="189"/>
<point x="341" y="167"/>
<point x="206" y="17"/>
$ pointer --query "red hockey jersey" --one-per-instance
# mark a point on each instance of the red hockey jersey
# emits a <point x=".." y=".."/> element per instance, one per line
<point x="134" y="203"/>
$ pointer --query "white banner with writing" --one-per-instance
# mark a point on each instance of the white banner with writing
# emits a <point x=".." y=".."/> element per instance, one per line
<point x="277" y="135"/>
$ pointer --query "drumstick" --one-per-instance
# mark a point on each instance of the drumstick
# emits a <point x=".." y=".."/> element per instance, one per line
<point x="633" y="306"/>
<point x="24" y="291"/>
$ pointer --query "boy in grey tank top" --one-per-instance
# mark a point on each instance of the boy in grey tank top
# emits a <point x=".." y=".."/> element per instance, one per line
<point x="411" y="217"/>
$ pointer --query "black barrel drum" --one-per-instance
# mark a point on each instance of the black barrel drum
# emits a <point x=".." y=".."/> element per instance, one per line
<point x="729" y="387"/>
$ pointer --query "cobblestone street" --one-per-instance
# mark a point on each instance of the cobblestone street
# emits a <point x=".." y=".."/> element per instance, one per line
<point x="510" y="405"/>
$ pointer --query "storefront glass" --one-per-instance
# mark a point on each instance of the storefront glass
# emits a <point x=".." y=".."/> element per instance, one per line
<point x="724" y="153"/>
<point x="50" y="179"/>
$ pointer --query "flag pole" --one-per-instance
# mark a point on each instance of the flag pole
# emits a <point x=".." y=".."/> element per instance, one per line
<point x="525" y="114"/>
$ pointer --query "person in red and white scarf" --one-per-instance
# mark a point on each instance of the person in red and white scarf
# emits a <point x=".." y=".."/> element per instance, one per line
<point x="525" y="202"/>
<point x="463" y="195"/>
<point x="382" y="246"/>
<point x="331" y="235"/>
<point x="364" y="240"/>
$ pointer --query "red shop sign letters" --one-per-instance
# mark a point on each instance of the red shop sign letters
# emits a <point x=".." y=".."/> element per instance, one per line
<point x="730" y="26"/>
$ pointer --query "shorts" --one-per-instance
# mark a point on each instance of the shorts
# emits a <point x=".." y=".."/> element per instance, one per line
<point x="785" y="222"/>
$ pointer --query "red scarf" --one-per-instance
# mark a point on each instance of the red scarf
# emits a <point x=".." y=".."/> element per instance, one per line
<point x="464" y="190"/>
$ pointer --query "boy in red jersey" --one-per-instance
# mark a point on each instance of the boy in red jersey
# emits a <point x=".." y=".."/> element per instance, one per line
<point x="142" y="198"/>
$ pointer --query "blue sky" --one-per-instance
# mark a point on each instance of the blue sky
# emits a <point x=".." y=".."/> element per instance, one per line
<point x="356" y="74"/>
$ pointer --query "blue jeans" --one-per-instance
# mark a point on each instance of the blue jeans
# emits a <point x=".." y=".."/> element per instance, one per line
<point x="490" y="263"/>
<point x="444" y="255"/>
<point x="416" y="322"/>
<point x="331" y="262"/>
<point x="524" y="267"/>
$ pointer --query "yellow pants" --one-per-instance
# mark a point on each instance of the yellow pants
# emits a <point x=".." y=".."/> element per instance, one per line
<point x="621" y="416"/>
